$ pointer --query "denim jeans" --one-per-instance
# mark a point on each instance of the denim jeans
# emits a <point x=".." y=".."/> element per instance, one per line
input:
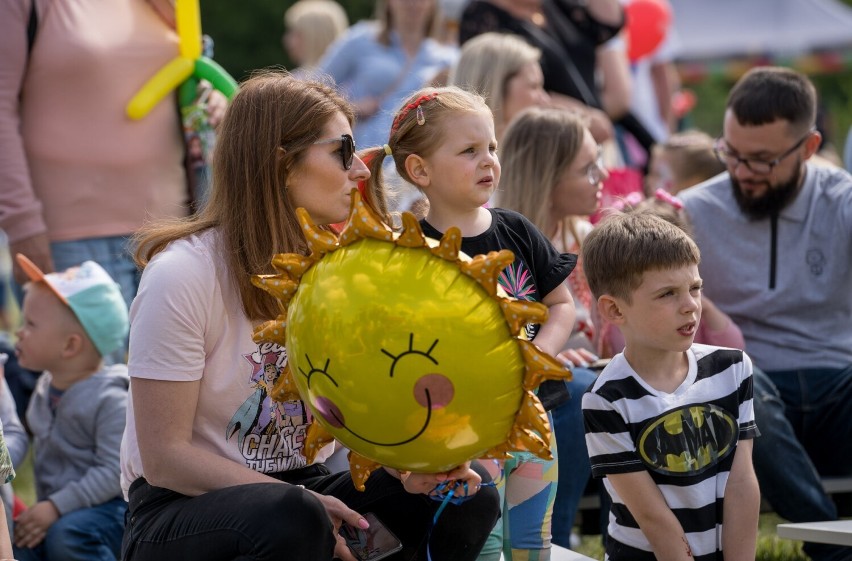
<point x="801" y="417"/>
<point x="270" y="521"/>
<point x="113" y="253"/>
<point x="574" y="467"/>
<point x="87" y="534"/>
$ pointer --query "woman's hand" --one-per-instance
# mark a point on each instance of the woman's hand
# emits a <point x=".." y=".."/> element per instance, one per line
<point x="425" y="483"/>
<point x="339" y="513"/>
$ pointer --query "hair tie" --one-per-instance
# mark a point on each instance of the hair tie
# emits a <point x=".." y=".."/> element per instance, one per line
<point x="387" y="148"/>
<point x="629" y="200"/>
<point x="666" y="197"/>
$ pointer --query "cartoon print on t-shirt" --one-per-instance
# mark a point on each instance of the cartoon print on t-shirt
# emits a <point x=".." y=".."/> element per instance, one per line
<point x="269" y="433"/>
<point x="518" y="282"/>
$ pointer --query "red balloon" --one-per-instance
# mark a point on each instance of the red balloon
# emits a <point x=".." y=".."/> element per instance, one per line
<point x="647" y="25"/>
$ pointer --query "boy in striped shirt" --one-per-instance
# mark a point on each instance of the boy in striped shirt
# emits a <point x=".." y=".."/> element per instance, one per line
<point x="669" y="422"/>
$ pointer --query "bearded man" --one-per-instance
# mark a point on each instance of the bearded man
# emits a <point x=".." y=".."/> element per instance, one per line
<point x="775" y="233"/>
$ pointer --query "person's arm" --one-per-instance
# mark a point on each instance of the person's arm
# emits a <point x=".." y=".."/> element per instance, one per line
<point x="17" y="440"/>
<point x="341" y="61"/>
<point x="20" y="210"/>
<point x="101" y="481"/>
<point x="554" y="333"/>
<point x="717" y="328"/>
<point x="5" y="539"/>
<point x="666" y="82"/>
<point x="608" y="12"/>
<point x="741" y="509"/>
<point x="340" y="58"/>
<point x="617" y="83"/>
<point x="656" y="520"/>
<point x="164" y="412"/>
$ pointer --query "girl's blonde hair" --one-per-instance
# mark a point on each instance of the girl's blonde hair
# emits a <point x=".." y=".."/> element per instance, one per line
<point x="691" y="157"/>
<point x="539" y="145"/>
<point x="268" y="125"/>
<point x="488" y="62"/>
<point x="320" y="22"/>
<point x="419" y="127"/>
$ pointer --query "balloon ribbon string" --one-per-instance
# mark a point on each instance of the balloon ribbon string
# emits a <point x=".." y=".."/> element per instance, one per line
<point x="446" y="493"/>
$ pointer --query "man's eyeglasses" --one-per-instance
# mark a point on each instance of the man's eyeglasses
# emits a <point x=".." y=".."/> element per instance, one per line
<point x="347" y="149"/>
<point x="595" y="171"/>
<point x="762" y="167"/>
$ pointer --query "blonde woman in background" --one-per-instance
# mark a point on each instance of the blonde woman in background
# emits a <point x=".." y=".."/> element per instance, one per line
<point x="553" y="175"/>
<point x="378" y="63"/>
<point x="311" y="26"/>
<point x="505" y="70"/>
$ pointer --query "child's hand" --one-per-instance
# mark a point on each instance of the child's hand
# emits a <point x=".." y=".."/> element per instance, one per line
<point x="32" y="524"/>
<point x="577" y="357"/>
<point x="425" y="483"/>
<point x="216" y="105"/>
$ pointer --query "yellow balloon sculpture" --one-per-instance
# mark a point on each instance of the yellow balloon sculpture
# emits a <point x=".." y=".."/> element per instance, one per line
<point x="404" y="349"/>
<point x="187" y="65"/>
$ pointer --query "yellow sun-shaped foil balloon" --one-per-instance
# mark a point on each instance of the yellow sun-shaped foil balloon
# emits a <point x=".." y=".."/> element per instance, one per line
<point x="405" y="349"/>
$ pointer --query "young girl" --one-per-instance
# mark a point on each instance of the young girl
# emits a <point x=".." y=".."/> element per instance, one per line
<point x="442" y="141"/>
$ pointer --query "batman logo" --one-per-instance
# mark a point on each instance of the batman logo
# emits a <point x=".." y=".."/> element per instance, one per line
<point x="689" y="440"/>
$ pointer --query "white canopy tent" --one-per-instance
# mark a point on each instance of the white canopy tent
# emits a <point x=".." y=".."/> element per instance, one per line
<point x="719" y="29"/>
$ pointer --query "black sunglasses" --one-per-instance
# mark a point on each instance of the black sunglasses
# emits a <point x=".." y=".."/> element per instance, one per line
<point x="347" y="149"/>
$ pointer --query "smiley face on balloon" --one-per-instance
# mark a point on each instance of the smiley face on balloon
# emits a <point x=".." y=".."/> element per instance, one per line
<point x="405" y="349"/>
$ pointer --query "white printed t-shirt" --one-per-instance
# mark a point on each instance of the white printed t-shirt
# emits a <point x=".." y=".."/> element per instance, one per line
<point x="187" y="324"/>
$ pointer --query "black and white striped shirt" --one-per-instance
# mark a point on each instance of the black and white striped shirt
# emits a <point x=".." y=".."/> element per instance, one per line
<point x="684" y="439"/>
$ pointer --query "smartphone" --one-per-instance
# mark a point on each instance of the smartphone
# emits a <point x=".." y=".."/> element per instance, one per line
<point x="599" y="364"/>
<point x="372" y="544"/>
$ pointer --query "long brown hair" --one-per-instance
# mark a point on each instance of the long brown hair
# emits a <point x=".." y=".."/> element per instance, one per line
<point x="269" y="122"/>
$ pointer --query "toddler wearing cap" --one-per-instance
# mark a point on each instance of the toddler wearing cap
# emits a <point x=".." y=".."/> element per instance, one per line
<point x="71" y="320"/>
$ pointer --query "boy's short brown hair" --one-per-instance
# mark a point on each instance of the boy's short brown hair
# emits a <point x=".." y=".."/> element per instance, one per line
<point x="621" y="248"/>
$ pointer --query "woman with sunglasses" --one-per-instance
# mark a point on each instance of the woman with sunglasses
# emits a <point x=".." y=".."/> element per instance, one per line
<point x="212" y="468"/>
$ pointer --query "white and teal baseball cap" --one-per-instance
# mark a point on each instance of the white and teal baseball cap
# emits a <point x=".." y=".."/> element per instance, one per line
<point x="94" y="298"/>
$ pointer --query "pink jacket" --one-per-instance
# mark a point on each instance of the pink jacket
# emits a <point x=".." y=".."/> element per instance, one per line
<point x="71" y="162"/>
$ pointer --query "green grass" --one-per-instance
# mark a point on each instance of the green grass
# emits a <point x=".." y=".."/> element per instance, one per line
<point x="769" y="546"/>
